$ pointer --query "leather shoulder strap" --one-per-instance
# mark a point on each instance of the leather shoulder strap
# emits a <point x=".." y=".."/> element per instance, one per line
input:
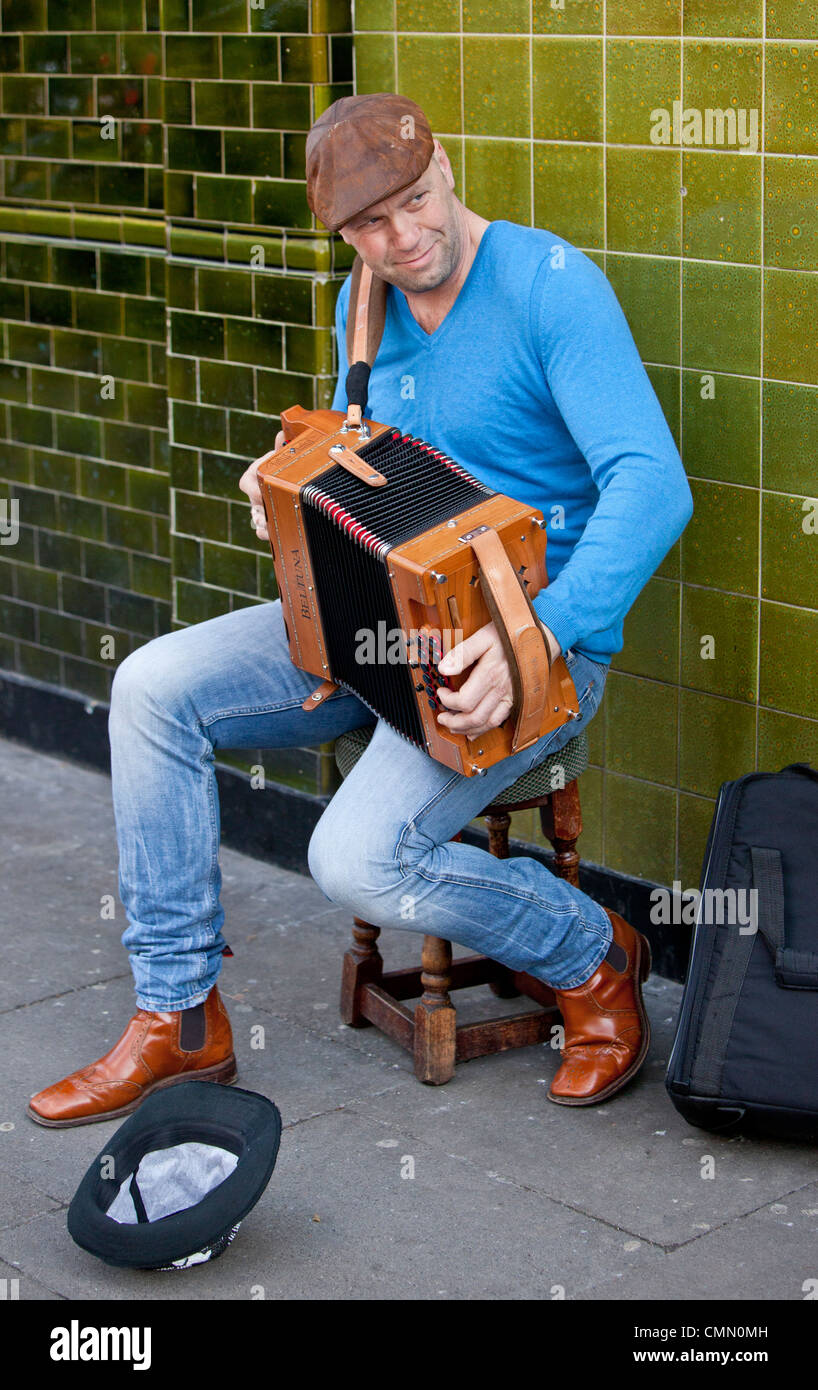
<point x="367" y="314"/>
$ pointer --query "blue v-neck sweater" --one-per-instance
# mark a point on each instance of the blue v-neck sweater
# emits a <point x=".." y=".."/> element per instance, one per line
<point x="533" y="382"/>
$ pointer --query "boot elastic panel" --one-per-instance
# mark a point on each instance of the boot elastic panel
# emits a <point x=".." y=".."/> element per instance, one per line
<point x="192" y="1029"/>
<point x="617" y="958"/>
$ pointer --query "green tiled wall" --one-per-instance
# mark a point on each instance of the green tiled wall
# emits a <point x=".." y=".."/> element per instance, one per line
<point x="545" y="110"/>
<point x="165" y="294"/>
<point x="179" y="259"/>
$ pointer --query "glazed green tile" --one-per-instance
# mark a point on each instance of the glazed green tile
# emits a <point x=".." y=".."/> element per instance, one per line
<point x="785" y="739"/>
<point x="479" y="16"/>
<point x="726" y="19"/>
<point x="221" y="103"/>
<point x="643" y="200"/>
<point x="69" y="14"/>
<point x="60" y="552"/>
<point x="179" y="194"/>
<point x="227" y="385"/>
<point x="277" y="390"/>
<point x="17" y="619"/>
<point x="196" y="604"/>
<point x="12" y="301"/>
<point x="200" y="425"/>
<point x="789" y="547"/>
<point x="665" y="382"/>
<point x="144" y="319"/>
<point x="790" y="316"/>
<point x="177" y="102"/>
<point x="51" y="389"/>
<point x="641" y="719"/>
<point x="230" y="568"/>
<point x="717" y="742"/>
<point x="10" y="53"/>
<point x="148" y="491"/>
<point x="218" y="474"/>
<point x="304" y="58"/>
<point x="126" y="443"/>
<point x="276" y="107"/>
<point x="191" y="56"/>
<point x="174" y="15"/>
<point x="294" y="156"/>
<point x="647" y="288"/>
<point x="200" y="516"/>
<point x="375" y="14"/>
<point x="218" y="16"/>
<point x="280" y="203"/>
<point x="121" y="187"/>
<point x="497" y="179"/>
<point x="103" y="482"/>
<point x="224" y="292"/>
<point x="719" y="637"/>
<point x="640" y="828"/>
<point x="24" y="96"/>
<point x="74" y="183"/>
<point x="255" y="152"/>
<point x="791" y="98"/>
<point x="789" y="641"/>
<point x="496" y="86"/>
<point x="567" y="89"/>
<point x="30" y="343"/>
<point x="48" y="139"/>
<point x="220" y="199"/>
<point x="45" y="53"/>
<point x="790" y="224"/>
<point x="643" y="75"/>
<point x="264" y="251"/>
<point x="433" y="16"/>
<point x="567" y="17"/>
<point x="87" y="141"/>
<point x="721" y="209"/>
<point x="281" y="17"/>
<point x="790" y="19"/>
<point x="26" y="262"/>
<point x="249" y="436"/>
<point x="12" y="136"/>
<point x="140" y="54"/>
<point x="81" y="435"/>
<point x="191" y="241"/>
<point x="24" y="14"/>
<point x="651" y="635"/>
<point x="68" y="96"/>
<point x="720" y="427"/>
<point x="285" y="298"/>
<point x="117" y="15"/>
<point x="13" y="382"/>
<point x="251" y="57"/>
<point x="152" y="577"/>
<point x="121" y="97"/>
<point x="146" y="405"/>
<point x="724" y="77"/>
<point x="341" y="58"/>
<point x="90" y="400"/>
<point x="695" y="816"/>
<point x="429" y="73"/>
<point x="375" y="63"/>
<point x="49" y="305"/>
<point x="186" y="556"/>
<point x="124" y="358"/>
<point x="790" y="429"/>
<point x="720" y="543"/>
<point x="182" y="378"/>
<point x="308" y="350"/>
<point x="142" y="142"/>
<point x="181" y="285"/>
<point x="196" y="335"/>
<point x="643" y="17"/>
<point x="93" y="53"/>
<point x="26" y="180"/>
<point x="721" y="318"/>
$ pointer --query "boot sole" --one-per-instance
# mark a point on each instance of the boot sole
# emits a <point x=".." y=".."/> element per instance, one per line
<point x="642" y="973"/>
<point x="224" y="1073"/>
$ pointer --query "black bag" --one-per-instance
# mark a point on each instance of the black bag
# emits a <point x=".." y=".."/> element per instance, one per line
<point x="745" y="1056"/>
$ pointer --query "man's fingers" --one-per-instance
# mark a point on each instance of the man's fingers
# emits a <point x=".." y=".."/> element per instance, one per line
<point x="465" y="653"/>
<point x="489" y="714"/>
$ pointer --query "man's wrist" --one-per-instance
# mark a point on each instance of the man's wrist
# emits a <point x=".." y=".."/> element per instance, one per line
<point x="553" y="646"/>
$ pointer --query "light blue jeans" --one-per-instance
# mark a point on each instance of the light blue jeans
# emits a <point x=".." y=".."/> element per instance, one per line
<point x="381" y="849"/>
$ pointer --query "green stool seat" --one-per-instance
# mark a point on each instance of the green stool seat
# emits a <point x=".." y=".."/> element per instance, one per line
<point x="572" y="758"/>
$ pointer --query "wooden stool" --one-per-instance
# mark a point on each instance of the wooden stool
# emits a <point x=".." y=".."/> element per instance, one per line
<point x="371" y="996"/>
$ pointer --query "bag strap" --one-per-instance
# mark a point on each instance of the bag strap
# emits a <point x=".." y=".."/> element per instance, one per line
<point x="793" y="969"/>
<point x="365" y="321"/>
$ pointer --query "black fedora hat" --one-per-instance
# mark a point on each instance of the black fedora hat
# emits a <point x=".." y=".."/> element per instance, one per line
<point x="172" y="1185"/>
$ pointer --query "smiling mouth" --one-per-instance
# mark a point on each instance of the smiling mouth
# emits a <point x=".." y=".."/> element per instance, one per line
<point x="415" y="260"/>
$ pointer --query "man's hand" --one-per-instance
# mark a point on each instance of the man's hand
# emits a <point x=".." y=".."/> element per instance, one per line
<point x="248" y="482"/>
<point x="486" y="697"/>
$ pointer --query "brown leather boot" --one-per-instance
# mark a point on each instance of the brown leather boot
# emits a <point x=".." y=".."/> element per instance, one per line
<point x="156" y="1050"/>
<point x="607" y="1031"/>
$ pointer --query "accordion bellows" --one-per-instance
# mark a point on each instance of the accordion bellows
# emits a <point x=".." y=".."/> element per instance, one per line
<point x="386" y="553"/>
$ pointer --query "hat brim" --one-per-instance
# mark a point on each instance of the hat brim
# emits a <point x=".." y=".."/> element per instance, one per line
<point x="244" y="1122"/>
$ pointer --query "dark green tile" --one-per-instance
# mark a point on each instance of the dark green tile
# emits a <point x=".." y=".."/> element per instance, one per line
<point x="144" y="319"/>
<point x="98" y="313"/>
<point x="52" y="390"/>
<point x="88" y="141"/>
<point x="12" y="136"/>
<point x="719" y="639"/>
<point x="791" y="98"/>
<point x="10" y="53"/>
<point x="24" y="96"/>
<point x="196" y="335"/>
<point x="123" y="187"/>
<point x="81" y="435"/>
<point x="224" y="291"/>
<point x="140" y="54"/>
<point x="790" y="224"/>
<point x="181" y="286"/>
<point x="45" y="53"/>
<point x="125" y="443"/>
<point x="24" y="14"/>
<point x="720" y="436"/>
<point x="721" y="208"/>
<point x="567" y="90"/>
<point x="179" y="195"/>
<point x="695" y="815"/>
<point x="640" y="828"/>
<point x="341" y="58"/>
<point x="48" y="139"/>
<point x="720" y="544"/>
<point x="12" y="301"/>
<point x="294" y="149"/>
<point x="13" y="382"/>
<point x="94" y="53"/>
<point x="146" y="405"/>
<point x="223" y="200"/>
<point x="665" y="382"/>
<point x="429" y="73"/>
<point x="177" y="102"/>
<point x="651" y="646"/>
<point x="254" y="57"/>
<point x="375" y="63"/>
<point x="281" y="203"/>
<point x="790" y="431"/>
<point x="722" y="318"/>
<point x="152" y="576"/>
<point x="227" y="385"/>
<point x="142" y="142"/>
<point x="195" y="604"/>
<point x="784" y="739"/>
<point x="222" y="103"/>
<point x="199" y="425"/>
<point x="789" y="546"/>
<point x="181" y="377"/>
<point x="174" y="14"/>
<point x="496" y="86"/>
<point x="29" y="343"/>
<point x="70" y="96"/>
<point x="26" y="180"/>
<point x="277" y="390"/>
<point x="641" y="727"/>
<point x="117" y="15"/>
<point x="69" y="14"/>
<point x="49" y="305"/>
<point x="647" y="288"/>
<point x="790" y="316"/>
<point x="76" y="351"/>
<point x="281" y="17"/>
<point x="285" y="298"/>
<point x="103" y="482"/>
<point x="149" y="491"/>
<point x="643" y="200"/>
<point x="643" y="76"/>
<point x="82" y="597"/>
<point x="191" y="56"/>
<point x="253" y="342"/>
<point x="308" y="350"/>
<point x="789" y="641"/>
<point x="26" y="262"/>
<point x="229" y="568"/>
<point x="304" y="58"/>
<point x="219" y="16"/>
<point x="73" y="183"/>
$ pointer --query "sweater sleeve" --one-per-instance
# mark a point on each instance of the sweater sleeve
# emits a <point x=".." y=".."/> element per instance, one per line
<point x="339" y="400"/>
<point x="604" y="395"/>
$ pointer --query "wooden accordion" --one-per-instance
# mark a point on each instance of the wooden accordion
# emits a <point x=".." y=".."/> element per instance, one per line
<point x="386" y="553"/>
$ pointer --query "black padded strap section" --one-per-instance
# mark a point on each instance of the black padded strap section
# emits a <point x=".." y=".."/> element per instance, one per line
<point x="717" y="1023"/>
<point x="357" y="384"/>
<point x="192" y="1029"/>
<point x="793" y="969"/>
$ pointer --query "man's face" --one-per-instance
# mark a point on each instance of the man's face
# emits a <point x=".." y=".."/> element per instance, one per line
<point x="413" y="239"/>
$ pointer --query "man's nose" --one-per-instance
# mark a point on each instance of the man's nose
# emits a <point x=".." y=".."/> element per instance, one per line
<point x="405" y="232"/>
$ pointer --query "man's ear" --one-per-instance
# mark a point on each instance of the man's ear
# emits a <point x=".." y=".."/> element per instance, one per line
<point x="443" y="162"/>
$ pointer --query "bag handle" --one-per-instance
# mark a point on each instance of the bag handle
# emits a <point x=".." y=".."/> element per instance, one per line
<point x="793" y="969"/>
<point x="366" y="316"/>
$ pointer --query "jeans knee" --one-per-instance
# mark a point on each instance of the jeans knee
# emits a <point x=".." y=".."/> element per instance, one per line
<point x="350" y="872"/>
<point x="150" y="671"/>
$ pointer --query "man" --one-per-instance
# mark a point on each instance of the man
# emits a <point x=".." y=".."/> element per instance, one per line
<point x="506" y="348"/>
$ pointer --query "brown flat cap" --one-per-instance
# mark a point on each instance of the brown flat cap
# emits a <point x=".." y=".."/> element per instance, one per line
<point x="363" y="149"/>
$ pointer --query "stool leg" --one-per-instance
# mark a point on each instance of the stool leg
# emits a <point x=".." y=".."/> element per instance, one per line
<point x="363" y="965"/>
<point x="561" y="820"/>
<point x="435" y="1015"/>
<point x="497" y="826"/>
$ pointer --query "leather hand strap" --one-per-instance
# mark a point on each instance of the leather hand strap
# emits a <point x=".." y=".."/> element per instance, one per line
<point x="522" y="638"/>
